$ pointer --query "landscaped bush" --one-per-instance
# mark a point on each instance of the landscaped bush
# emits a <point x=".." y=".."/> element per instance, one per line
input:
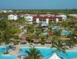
<point x="5" y="52"/>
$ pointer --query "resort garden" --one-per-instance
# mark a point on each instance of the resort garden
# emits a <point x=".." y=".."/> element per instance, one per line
<point x="61" y="35"/>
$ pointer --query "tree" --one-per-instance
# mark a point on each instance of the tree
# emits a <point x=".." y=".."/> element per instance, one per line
<point x="34" y="53"/>
<point x="73" y="39"/>
<point x="16" y="37"/>
<point x="42" y="41"/>
<point x="30" y="38"/>
<point x="5" y="37"/>
<point x="57" y="33"/>
<point x="3" y="25"/>
<point x="58" y="44"/>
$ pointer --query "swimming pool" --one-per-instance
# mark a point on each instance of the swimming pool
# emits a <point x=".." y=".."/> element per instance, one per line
<point x="65" y="32"/>
<point x="2" y="49"/>
<point x="7" y="57"/>
<point x="45" y="33"/>
<point x="54" y="28"/>
<point x="47" y="52"/>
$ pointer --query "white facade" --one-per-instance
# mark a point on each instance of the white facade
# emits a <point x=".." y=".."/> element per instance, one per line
<point x="37" y="20"/>
<point x="64" y="17"/>
<point x="57" y="20"/>
<point x="4" y="11"/>
<point x="47" y="20"/>
<point x="12" y="17"/>
<point x="29" y="19"/>
<point x="44" y="24"/>
<point x="15" y="17"/>
<point x="74" y="15"/>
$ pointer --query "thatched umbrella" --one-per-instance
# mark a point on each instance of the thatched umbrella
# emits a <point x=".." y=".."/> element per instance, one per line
<point x="36" y="41"/>
<point x="48" y="41"/>
<point x="23" y="39"/>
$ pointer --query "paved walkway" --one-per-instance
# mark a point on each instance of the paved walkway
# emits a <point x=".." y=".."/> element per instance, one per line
<point x="14" y="52"/>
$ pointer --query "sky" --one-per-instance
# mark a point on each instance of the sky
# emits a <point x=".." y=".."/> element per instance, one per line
<point x="38" y="4"/>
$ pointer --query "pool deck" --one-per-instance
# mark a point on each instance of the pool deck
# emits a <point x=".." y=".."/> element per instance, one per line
<point x="74" y="58"/>
<point x="16" y="51"/>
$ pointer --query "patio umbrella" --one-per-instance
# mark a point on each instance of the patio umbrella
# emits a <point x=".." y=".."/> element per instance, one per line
<point x="22" y="54"/>
<point x="54" y="56"/>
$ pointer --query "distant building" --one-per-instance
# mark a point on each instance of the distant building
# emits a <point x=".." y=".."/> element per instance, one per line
<point x="15" y="17"/>
<point x="37" y="20"/>
<point x="57" y="20"/>
<point x="29" y="19"/>
<point x="45" y="17"/>
<point x="47" y="20"/>
<point x="12" y="17"/>
<point x="64" y="17"/>
<point x="10" y="11"/>
<point x="73" y="15"/>
<point x="44" y="25"/>
<point x="4" y="11"/>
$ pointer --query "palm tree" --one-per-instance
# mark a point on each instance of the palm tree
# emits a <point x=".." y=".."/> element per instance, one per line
<point x="34" y="53"/>
<point x="30" y="28"/>
<point x="30" y="38"/>
<point x="64" y="23"/>
<point x="5" y="39"/>
<point x="58" y="44"/>
<point x="42" y="41"/>
<point x="57" y="33"/>
<point x="16" y="37"/>
<point x="73" y="39"/>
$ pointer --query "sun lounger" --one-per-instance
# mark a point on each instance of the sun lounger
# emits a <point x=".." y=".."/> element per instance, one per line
<point x="12" y="47"/>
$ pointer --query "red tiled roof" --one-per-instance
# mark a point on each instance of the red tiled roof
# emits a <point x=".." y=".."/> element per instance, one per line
<point x="50" y="17"/>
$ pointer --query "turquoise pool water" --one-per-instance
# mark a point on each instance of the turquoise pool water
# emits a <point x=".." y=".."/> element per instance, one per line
<point x="65" y="32"/>
<point x="7" y="57"/>
<point x="47" y="52"/>
<point x="3" y="48"/>
<point x="45" y="33"/>
<point x="54" y="28"/>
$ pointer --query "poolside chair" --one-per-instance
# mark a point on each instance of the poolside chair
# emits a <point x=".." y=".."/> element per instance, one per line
<point x="12" y="47"/>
